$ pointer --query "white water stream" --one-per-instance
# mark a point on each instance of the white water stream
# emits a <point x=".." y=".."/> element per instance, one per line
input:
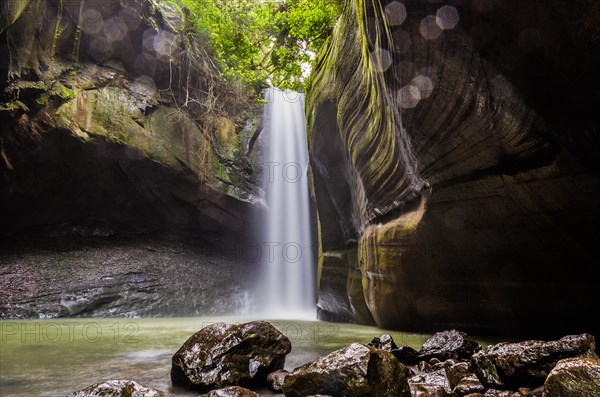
<point x="287" y="284"/>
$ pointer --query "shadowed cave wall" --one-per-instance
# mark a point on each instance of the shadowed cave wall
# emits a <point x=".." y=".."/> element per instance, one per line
<point x="110" y="124"/>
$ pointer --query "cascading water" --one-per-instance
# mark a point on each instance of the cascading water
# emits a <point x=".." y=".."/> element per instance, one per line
<point x="287" y="284"/>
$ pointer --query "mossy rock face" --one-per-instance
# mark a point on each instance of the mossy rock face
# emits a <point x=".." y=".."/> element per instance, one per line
<point x="126" y="112"/>
<point x="10" y="11"/>
<point x="456" y="196"/>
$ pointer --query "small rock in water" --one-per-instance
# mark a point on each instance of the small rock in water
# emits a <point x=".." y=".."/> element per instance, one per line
<point x="449" y="344"/>
<point x="118" y="388"/>
<point x="514" y="365"/>
<point x="353" y="371"/>
<point x="276" y="379"/>
<point x="469" y="384"/>
<point x="574" y="377"/>
<point x="229" y="354"/>
<point x="405" y="354"/>
<point x="231" y="391"/>
<point x="457" y="372"/>
<point x="498" y="393"/>
<point x="434" y="383"/>
<point x="384" y="342"/>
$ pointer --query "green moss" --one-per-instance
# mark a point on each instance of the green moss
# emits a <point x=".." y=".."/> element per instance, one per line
<point x="41" y="101"/>
<point x="35" y="86"/>
<point x="14" y="106"/>
<point x="220" y="171"/>
<point x="62" y="92"/>
<point x="66" y="93"/>
<point x="368" y="117"/>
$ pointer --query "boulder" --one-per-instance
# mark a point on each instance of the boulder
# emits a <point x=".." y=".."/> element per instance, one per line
<point x="231" y="391"/>
<point x="118" y="388"/>
<point x="574" y="377"/>
<point x="276" y="379"/>
<point x="229" y="354"/>
<point x="449" y="344"/>
<point x="527" y="363"/>
<point x="355" y="370"/>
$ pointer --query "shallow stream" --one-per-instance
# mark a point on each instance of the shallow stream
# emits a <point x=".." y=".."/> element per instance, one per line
<point x="55" y="357"/>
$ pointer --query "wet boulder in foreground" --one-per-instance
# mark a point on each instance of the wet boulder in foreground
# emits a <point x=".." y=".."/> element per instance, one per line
<point x="449" y="344"/>
<point x="574" y="377"/>
<point x="118" y="388"/>
<point x="353" y="371"/>
<point x="527" y="363"/>
<point x="223" y="354"/>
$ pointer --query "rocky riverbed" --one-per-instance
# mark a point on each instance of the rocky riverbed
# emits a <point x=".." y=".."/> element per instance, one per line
<point x="104" y="276"/>
<point x="222" y="359"/>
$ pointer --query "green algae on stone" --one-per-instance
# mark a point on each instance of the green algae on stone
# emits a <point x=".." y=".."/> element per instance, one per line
<point x="14" y="106"/>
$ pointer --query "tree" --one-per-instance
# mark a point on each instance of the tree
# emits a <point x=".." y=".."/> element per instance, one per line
<point x="264" y="42"/>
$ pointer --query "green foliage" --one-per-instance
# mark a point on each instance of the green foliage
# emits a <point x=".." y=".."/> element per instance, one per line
<point x="263" y="42"/>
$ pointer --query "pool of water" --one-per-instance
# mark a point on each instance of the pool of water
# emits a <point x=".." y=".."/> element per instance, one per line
<point x="55" y="357"/>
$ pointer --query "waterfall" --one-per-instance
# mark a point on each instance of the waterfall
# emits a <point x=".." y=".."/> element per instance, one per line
<point x="287" y="284"/>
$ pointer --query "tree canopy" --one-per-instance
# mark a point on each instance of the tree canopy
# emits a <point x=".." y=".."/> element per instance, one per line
<point x="261" y="42"/>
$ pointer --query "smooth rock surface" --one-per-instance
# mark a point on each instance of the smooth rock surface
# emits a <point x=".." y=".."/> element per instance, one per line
<point x="229" y="354"/>
<point x="355" y="370"/>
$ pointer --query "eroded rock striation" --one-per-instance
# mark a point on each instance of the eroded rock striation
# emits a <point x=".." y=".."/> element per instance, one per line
<point x="454" y="165"/>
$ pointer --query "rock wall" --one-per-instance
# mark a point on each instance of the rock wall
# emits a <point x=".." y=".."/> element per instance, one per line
<point x="453" y="150"/>
<point x="110" y="120"/>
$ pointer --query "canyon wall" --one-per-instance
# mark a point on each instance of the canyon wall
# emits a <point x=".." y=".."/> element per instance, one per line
<point x="454" y="158"/>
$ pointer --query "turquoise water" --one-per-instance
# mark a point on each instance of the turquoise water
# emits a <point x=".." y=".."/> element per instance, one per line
<point x="57" y="356"/>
